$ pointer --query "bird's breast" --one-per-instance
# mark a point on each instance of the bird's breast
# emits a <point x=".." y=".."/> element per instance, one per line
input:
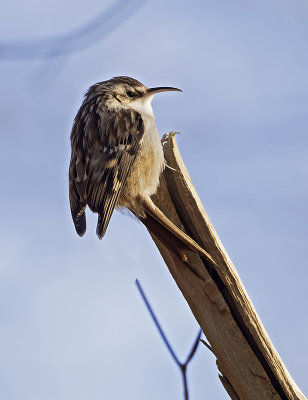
<point x="143" y="178"/>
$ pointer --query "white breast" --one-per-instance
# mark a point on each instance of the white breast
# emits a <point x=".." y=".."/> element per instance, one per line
<point x="144" y="176"/>
<point x="144" y="106"/>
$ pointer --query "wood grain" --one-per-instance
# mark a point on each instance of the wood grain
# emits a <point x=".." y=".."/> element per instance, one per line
<point x="250" y="366"/>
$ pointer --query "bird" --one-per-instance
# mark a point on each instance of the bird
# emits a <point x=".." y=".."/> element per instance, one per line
<point x="117" y="160"/>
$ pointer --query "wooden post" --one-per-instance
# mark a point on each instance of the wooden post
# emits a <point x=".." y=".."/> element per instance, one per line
<point x="250" y="367"/>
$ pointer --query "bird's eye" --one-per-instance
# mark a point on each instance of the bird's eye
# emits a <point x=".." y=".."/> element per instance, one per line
<point x="130" y="94"/>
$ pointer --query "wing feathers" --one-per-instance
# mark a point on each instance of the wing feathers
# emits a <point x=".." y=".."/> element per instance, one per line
<point x="112" y="195"/>
<point x="104" y="146"/>
<point x="77" y="210"/>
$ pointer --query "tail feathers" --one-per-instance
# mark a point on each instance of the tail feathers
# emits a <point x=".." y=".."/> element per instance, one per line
<point x="172" y="242"/>
<point x="80" y="223"/>
<point x="169" y="234"/>
<point x="101" y="226"/>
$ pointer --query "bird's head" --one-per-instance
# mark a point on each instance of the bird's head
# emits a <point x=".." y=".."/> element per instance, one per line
<point x="125" y="92"/>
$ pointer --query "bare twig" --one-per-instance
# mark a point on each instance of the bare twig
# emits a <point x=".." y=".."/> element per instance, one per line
<point x="182" y="366"/>
<point x="73" y="41"/>
<point x="54" y="51"/>
<point x="206" y="345"/>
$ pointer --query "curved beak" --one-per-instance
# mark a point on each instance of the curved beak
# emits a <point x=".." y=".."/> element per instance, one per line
<point x="162" y="89"/>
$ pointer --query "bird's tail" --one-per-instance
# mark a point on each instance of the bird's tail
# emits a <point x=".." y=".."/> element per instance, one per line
<point x="80" y="222"/>
<point x="169" y="234"/>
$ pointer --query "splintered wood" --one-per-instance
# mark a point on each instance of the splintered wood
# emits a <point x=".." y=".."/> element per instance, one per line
<point x="250" y="367"/>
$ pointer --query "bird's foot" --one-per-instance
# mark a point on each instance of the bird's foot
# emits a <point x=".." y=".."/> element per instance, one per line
<point x="168" y="135"/>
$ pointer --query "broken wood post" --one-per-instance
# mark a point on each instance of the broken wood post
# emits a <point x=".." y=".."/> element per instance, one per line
<point x="250" y="366"/>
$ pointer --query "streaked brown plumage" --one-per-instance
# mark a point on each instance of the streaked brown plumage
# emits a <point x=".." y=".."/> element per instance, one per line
<point x="116" y="151"/>
<point x="117" y="159"/>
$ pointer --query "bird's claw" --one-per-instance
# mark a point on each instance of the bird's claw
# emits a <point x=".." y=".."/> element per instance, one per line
<point x="168" y="135"/>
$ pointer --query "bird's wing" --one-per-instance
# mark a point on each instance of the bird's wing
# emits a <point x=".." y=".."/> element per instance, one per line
<point x="104" y="146"/>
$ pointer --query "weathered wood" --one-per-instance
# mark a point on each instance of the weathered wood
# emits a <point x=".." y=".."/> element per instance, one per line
<point x="251" y="367"/>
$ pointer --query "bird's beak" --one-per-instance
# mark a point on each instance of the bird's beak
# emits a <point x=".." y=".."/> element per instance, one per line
<point x="154" y="90"/>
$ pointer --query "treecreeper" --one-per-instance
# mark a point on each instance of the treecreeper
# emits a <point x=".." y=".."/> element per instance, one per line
<point x="117" y="159"/>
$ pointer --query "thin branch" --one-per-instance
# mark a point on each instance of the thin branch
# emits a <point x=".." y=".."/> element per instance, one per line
<point x="184" y="376"/>
<point x="207" y="345"/>
<point x="163" y="336"/>
<point x="182" y="366"/>
<point x="81" y="37"/>
<point x="194" y="348"/>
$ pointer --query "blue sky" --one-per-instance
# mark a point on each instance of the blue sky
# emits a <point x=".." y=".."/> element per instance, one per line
<point x="72" y="324"/>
